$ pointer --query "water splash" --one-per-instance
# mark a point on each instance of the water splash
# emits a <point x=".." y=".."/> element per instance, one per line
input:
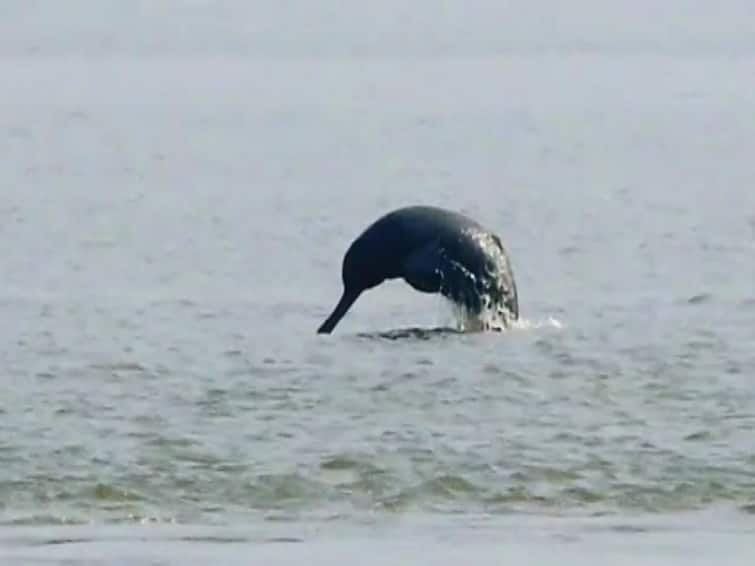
<point x="549" y="322"/>
<point x="495" y="319"/>
<point x="485" y="299"/>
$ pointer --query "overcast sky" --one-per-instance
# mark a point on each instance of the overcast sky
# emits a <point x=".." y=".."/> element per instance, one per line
<point x="387" y="27"/>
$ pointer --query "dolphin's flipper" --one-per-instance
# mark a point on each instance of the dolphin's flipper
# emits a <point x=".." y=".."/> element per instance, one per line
<point x="430" y="270"/>
<point x="422" y="269"/>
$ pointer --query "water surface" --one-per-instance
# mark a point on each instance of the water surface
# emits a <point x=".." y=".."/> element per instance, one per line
<point x="172" y="230"/>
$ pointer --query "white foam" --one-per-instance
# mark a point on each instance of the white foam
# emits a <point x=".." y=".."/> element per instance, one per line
<point x="491" y="319"/>
<point x="527" y="324"/>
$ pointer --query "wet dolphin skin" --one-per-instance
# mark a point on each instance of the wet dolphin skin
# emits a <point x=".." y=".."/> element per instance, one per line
<point x="435" y="251"/>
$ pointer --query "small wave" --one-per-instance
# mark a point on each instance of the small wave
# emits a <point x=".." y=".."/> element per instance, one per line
<point x="550" y="322"/>
<point x="105" y="492"/>
<point x="443" y="332"/>
<point x="699" y="299"/>
<point x="47" y="519"/>
<point x="443" y="490"/>
<point x="126" y="366"/>
<point x="270" y="491"/>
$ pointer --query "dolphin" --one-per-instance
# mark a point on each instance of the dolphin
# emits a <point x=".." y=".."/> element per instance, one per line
<point x="435" y="251"/>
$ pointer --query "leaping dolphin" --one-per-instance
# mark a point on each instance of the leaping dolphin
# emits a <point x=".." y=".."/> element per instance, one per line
<point x="435" y="251"/>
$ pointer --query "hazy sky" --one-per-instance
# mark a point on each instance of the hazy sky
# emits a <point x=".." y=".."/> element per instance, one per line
<point x="388" y="27"/>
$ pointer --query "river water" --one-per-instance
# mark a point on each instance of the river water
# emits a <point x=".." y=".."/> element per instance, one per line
<point x="173" y="224"/>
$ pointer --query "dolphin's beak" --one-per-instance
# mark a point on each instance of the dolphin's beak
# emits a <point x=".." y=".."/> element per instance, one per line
<point x="347" y="299"/>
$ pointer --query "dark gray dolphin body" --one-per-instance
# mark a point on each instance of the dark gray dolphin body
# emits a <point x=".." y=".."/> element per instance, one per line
<point x="435" y="251"/>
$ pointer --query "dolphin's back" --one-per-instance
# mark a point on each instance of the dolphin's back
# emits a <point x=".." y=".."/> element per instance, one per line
<point x="445" y="251"/>
<point x="418" y="224"/>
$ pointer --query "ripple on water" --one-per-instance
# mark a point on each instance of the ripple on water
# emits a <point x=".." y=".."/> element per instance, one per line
<point x="423" y="419"/>
<point x="412" y="333"/>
